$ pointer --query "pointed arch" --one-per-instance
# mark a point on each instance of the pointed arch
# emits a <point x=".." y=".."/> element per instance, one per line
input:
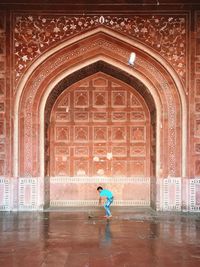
<point x="128" y="44"/>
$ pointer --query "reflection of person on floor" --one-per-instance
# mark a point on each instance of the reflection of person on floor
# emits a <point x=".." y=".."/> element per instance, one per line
<point x="106" y="239"/>
<point x="104" y="193"/>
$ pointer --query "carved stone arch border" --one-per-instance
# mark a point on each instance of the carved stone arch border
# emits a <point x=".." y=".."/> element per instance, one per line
<point x="146" y="83"/>
<point x="123" y="65"/>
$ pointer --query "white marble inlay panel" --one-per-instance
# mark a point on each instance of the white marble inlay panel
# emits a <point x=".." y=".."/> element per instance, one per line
<point x="4" y="194"/>
<point x="78" y="203"/>
<point x="194" y="195"/>
<point x="172" y="193"/>
<point x="28" y="193"/>
<point x="94" y="180"/>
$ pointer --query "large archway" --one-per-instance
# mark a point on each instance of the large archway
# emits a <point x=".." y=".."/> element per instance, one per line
<point x="114" y="49"/>
<point x="100" y="131"/>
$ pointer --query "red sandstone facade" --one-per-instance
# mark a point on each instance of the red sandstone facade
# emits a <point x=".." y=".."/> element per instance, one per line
<point x="74" y="114"/>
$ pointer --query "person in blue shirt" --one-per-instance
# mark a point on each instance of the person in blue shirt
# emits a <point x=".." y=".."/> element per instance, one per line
<point x="109" y="199"/>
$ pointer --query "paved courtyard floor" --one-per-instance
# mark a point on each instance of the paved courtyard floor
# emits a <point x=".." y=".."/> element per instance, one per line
<point x="133" y="237"/>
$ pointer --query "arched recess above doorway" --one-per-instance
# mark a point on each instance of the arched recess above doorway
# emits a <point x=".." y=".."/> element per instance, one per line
<point x="107" y="113"/>
<point x="99" y="132"/>
<point x="99" y="66"/>
<point x="104" y="67"/>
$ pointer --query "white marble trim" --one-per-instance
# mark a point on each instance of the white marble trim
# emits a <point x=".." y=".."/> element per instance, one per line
<point x="99" y="180"/>
<point x="90" y="203"/>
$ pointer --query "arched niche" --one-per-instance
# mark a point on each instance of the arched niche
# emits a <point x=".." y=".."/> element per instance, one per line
<point x="61" y="105"/>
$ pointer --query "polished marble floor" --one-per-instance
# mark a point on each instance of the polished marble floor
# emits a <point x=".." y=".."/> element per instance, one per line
<point x="134" y="237"/>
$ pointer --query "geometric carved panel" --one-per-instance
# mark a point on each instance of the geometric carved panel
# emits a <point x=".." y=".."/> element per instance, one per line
<point x="197" y="148"/>
<point x="62" y="150"/>
<point x="2" y="106"/>
<point x="100" y="151"/>
<point x="81" y="98"/>
<point x="119" y="99"/>
<point x="64" y="103"/>
<point x="81" y="134"/>
<point x="197" y="67"/>
<point x="2" y="65"/>
<point x="197" y="46"/>
<point x="81" y="168"/>
<point x="1" y="128"/>
<point x="100" y="116"/>
<point x="62" y="134"/>
<point x="81" y="116"/>
<point x="138" y="150"/>
<point x="100" y="83"/>
<point x="2" y="86"/>
<point x="2" y="44"/>
<point x="119" y="116"/>
<point x="119" y="151"/>
<point x="197" y="128"/>
<point x="197" y="91"/>
<point x="197" y="168"/>
<point x="100" y="99"/>
<point x="2" y="167"/>
<point x="62" y="116"/>
<point x="137" y="134"/>
<point x="61" y="166"/>
<point x="81" y="151"/>
<point x="2" y="148"/>
<point x="100" y="168"/>
<point x="137" y="116"/>
<point x="100" y="134"/>
<point x="119" y="168"/>
<point x="197" y="107"/>
<point x="134" y="102"/>
<point x="119" y="134"/>
<point x="137" y="167"/>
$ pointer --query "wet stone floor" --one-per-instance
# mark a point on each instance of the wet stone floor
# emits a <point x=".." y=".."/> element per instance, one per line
<point x="69" y="238"/>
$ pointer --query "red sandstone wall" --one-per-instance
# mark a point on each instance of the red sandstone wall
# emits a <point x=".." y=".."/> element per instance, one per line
<point x="174" y="34"/>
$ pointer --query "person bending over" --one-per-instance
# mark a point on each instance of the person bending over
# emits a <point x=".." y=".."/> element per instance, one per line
<point x="109" y="199"/>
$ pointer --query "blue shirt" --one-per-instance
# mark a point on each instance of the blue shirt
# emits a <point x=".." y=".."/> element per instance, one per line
<point x="106" y="193"/>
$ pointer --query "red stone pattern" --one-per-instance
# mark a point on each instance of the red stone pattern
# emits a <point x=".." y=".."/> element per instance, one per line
<point x="196" y="111"/>
<point x="2" y="91"/>
<point x="100" y="128"/>
<point x="35" y="34"/>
